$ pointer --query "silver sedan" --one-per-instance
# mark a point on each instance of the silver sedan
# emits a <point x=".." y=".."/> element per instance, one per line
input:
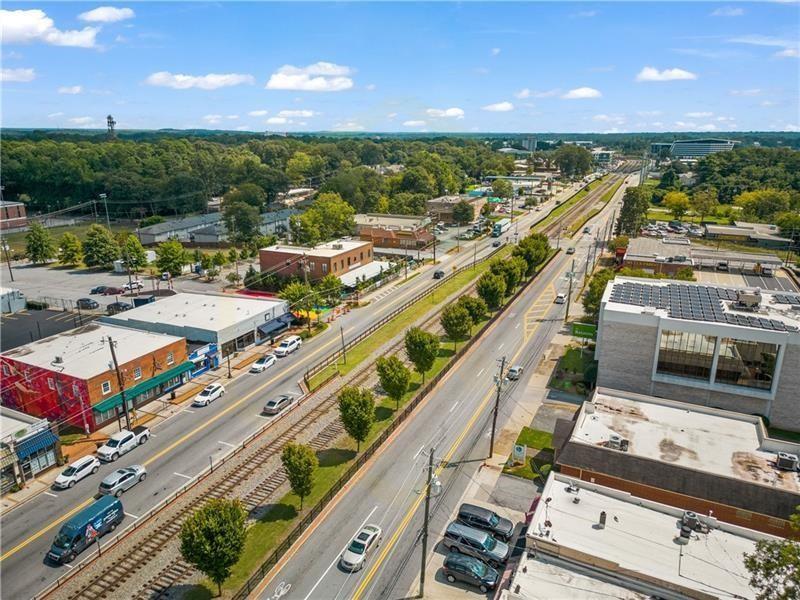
<point x="122" y="480"/>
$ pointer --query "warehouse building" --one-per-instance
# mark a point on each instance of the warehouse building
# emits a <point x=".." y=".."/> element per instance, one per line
<point x="70" y="377"/>
<point x="272" y="223"/>
<point x="757" y="234"/>
<point x="178" y="229"/>
<point x="702" y="459"/>
<point x="737" y="350"/>
<point x="232" y="323"/>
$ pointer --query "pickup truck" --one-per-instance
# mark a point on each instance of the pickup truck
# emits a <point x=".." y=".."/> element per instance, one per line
<point x="122" y="442"/>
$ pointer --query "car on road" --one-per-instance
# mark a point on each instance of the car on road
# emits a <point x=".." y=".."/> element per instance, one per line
<point x="133" y="285"/>
<point x="288" y="345"/>
<point x="355" y="555"/>
<point x="570" y="250"/>
<point x="118" y="307"/>
<point x="210" y="393"/>
<point x="100" y="289"/>
<point x="514" y="373"/>
<point x="466" y="569"/>
<point x="83" y="467"/>
<point x="587" y="230"/>
<point x="87" y="304"/>
<point x="263" y="363"/>
<point x="483" y="518"/>
<point x="276" y="405"/>
<point x="496" y="244"/>
<point x="438" y="274"/>
<point x="123" y="442"/>
<point x="90" y="524"/>
<point x="476" y="543"/>
<point x="113" y="291"/>
<point x="560" y="299"/>
<point x="722" y="266"/>
<point x="122" y="480"/>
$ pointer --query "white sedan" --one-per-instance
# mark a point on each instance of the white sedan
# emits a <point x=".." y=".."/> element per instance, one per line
<point x="355" y="555"/>
<point x="209" y="394"/>
<point x="263" y="363"/>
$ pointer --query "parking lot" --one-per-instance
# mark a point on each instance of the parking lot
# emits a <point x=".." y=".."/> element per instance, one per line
<point x="27" y="326"/>
<point x="780" y="281"/>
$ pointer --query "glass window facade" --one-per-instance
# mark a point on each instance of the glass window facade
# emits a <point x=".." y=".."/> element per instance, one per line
<point x="746" y="363"/>
<point x="686" y="354"/>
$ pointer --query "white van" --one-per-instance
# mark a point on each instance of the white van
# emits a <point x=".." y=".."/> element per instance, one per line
<point x="288" y="345"/>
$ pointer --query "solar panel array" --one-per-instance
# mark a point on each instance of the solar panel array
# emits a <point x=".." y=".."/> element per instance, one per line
<point x="692" y="303"/>
<point x="787" y="299"/>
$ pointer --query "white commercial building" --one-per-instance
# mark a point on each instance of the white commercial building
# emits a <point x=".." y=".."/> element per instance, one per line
<point x="11" y="300"/>
<point x="231" y="322"/>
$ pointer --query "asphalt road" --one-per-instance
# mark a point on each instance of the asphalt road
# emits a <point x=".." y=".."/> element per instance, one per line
<point x="455" y="420"/>
<point x="181" y="446"/>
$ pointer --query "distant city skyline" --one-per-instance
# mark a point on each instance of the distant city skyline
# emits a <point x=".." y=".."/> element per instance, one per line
<point x="404" y="67"/>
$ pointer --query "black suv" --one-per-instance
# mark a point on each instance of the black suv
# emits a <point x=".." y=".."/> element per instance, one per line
<point x="485" y="519"/>
<point x="459" y="567"/>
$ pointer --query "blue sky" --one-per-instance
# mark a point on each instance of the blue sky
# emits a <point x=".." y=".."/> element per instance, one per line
<point x="516" y="67"/>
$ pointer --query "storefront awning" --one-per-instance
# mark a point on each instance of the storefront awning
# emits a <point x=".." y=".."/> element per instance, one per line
<point x="276" y="325"/>
<point x="143" y="387"/>
<point x="40" y="441"/>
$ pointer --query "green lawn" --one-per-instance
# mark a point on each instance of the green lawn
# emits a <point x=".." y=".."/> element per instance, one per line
<point x="16" y="240"/>
<point x="662" y="214"/>
<point x="539" y="440"/>
<point x="535" y="438"/>
<point x="569" y="373"/>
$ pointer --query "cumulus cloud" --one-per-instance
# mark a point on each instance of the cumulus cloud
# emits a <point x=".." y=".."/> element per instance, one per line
<point x="258" y="113"/>
<point x="728" y="11"/>
<point x="18" y="75"/>
<point x="297" y="113"/>
<point x="81" y="120"/>
<point x="212" y="119"/>
<point x="391" y="115"/>
<point x="582" y="93"/>
<point x="498" y="107"/>
<point x="318" y="77"/>
<point x="29" y="26"/>
<point x="277" y="121"/>
<point x="522" y="94"/>
<point x="707" y="127"/>
<point x="212" y="81"/>
<point x="70" y="89"/>
<point x="614" y="119"/>
<point x="699" y="114"/>
<point x="649" y="113"/>
<point x="674" y="74"/>
<point x="370" y="87"/>
<point x="685" y="124"/>
<point x="750" y="92"/>
<point x="414" y="123"/>
<point x="348" y="126"/>
<point x="445" y="113"/>
<point x="107" y="14"/>
<point x="788" y="53"/>
<point x="528" y="93"/>
<point x="55" y="115"/>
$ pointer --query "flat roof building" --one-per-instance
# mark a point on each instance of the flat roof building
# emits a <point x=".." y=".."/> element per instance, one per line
<point x="640" y="544"/>
<point x="231" y="322"/>
<point x="715" y="346"/>
<point x="28" y="446"/>
<point x="272" y="223"/>
<point x="441" y="208"/>
<point x="694" y="149"/>
<point x="394" y="231"/>
<point x="332" y="258"/>
<point x="758" y="234"/>
<point x="702" y="459"/>
<point x="180" y="229"/>
<point x="658" y="255"/>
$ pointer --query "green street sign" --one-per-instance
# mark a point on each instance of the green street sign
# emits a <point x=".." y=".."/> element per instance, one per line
<point x="584" y="330"/>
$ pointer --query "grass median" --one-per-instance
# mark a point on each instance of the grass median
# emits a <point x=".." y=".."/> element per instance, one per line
<point x="604" y="199"/>
<point x="561" y="208"/>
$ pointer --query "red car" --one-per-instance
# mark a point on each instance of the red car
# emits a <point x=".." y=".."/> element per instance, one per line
<point x="113" y="291"/>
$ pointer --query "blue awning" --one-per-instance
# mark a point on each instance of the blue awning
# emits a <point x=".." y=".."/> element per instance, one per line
<point x="274" y="326"/>
<point x="40" y="441"/>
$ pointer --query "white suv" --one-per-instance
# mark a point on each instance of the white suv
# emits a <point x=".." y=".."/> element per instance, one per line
<point x="210" y="393"/>
<point x="83" y="467"/>
<point x="288" y="345"/>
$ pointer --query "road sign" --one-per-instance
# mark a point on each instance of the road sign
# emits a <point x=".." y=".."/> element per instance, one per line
<point x="584" y="330"/>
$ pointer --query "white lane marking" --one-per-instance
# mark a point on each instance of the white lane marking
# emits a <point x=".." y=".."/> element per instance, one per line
<point x="127" y="514"/>
<point x="418" y="451"/>
<point x="50" y="494"/>
<point x="500" y="347"/>
<point x="226" y="443"/>
<point x="335" y="560"/>
<point x="182" y="475"/>
<point x="454" y="405"/>
<point x="191" y="412"/>
<point x="517" y="326"/>
<point x="152" y="435"/>
<point x="68" y="566"/>
<point x="480" y="372"/>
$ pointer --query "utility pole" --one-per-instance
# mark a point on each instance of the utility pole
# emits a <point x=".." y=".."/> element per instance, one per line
<point x="586" y="267"/>
<point x="121" y="382"/>
<point x="569" y="293"/>
<point x="104" y="198"/>
<point x="499" y="385"/>
<point x="11" y="273"/>
<point x="229" y="366"/>
<point x="344" y="351"/>
<point x="434" y="248"/>
<point x="425" y="526"/>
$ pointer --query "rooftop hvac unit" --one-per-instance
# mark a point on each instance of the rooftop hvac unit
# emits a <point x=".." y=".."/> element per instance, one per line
<point x="337" y="246"/>
<point x="690" y="519"/>
<point x="617" y="442"/>
<point x="58" y="360"/>
<point x="750" y="299"/>
<point x="787" y="462"/>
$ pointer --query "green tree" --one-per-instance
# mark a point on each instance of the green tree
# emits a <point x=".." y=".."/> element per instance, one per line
<point x="134" y="253"/>
<point x="213" y="538"/>
<point x="219" y="259"/>
<point x="171" y="256"/>
<point x="621" y="241"/>
<point x="774" y="567"/>
<point x="594" y="293"/>
<point x="248" y="193"/>
<point x="394" y="377"/>
<point x="492" y="289"/>
<point x="704" y="202"/>
<point x="329" y="217"/>
<point x="357" y="412"/>
<point x="233" y="255"/>
<point x="763" y="205"/>
<point x="677" y="203"/>
<point x="670" y="180"/>
<point x="456" y="322"/>
<point x="573" y="161"/>
<point x="151" y="220"/>
<point x="300" y="464"/>
<point x="241" y="221"/>
<point x="39" y="244"/>
<point x="511" y="270"/>
<point x="300" y="297"/>
<point x="70" y="249"/>
<point x="534" y="250"/>
<point x="487" y="209"/>
<point x="329" y="290"/>
<point x="233" y="278"/>
<point x="475" y="307"/>
<point x="422" y="348"/>
<point x="463" y="212"/>
<point x="633" y="214"/>
<point x="502" y="188"/>
<point x="100" y="249"/>
<point x="299" y="167"/>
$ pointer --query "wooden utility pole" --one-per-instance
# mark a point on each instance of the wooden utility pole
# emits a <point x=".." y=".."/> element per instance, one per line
<point x="425" y="526"/>
<point x="121" y="382"/>
<point x="499" y="384"/>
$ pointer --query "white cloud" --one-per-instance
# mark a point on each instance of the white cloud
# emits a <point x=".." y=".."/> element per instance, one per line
<point x="768" y="103"/>
<point x="674" y="74"/>
<point x="789" y="48"/>
<point x="788" y="53"/>
<point x="699" y="114"/>
<point x="656" y="124"/>
<point x="791" y="127"/>
<point x="232" y="117"/>
<point x="649" y="113"/>
<point x="258" y="113"/>
<point x="391" y="115"/>
<point x="243" y="128"/>
<point x="107" y="14"/>
<point x="581" y="93"/>
<point x="523" y="93"/>
<point x="55" y="115"/>
<point x="318" y="77"/>
<point x="584" y="14"/>
<point x="498" y="107"/>
<point x="212" y="81"/>
<point x="212" y="119"/>
<point x="614" y="119"/>
<point x="28" y="26"/>
<point x="528" y="93"/>
<point x="70" y="89"/>
<point x="348" y="126"/>
<point x="494" y="51"/>
<point x="370" y="87"/>
<point x="750" y="92"/>
<point x="277" y="121"/>
<point x="728" y="11"/>
<point x="81" y="120"/>
<point x="297" y="113"/>
<point x="19" y="75"/>
<point x="685" y="124"/>
<point x="446" y="113"/>
<point x="707" y="127"/>
<point x="414" y="123"/>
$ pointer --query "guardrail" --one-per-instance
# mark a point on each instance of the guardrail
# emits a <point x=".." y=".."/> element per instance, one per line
<point x="252" y="583"/>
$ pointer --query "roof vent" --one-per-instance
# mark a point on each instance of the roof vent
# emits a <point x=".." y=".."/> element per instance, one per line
<point x="787" y="462"/>
<point x="617" y="442"/>
<point x="58" y="360"/>
<point x="337" y="246"/>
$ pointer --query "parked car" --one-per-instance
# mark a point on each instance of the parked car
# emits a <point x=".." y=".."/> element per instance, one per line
<point x="210" y="393"/>
<point x="133" y="285"/>
<point x="122" y="442"/>
<point x="476" y="543"/>
<point x="117" y="307"/>
<point x="485" y="519"/>
<point x="88" y="525"/>
<point x="458" y="567"/>
<point x="263" y="363"/>
<point x="570" y="250"/>
<point x="288" y="345"/>
<point x="276" y="405"/>
<point x="767" y="272"/>
<point x="354" y="557"/>
<point x="83" y="467"/>
<point x="514" y="373"/>
<point x="100" y="289"/>
<point x="561" y="299"/>
<point x="439" y="274"/>
<point x="113" y="291"/>
<point x="87" y="304"/>
<point x="122" y="480"/>
<point x="722" y="266"/>
<point x="587" y="230"/>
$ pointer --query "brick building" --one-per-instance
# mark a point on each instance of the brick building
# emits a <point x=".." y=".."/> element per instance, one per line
<point x="69" y="378"/>
<point x="12" y="215"/>
<point x="394" y="231"/>
<point x="441" y="208"/>
<point x="332" y="258"/>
